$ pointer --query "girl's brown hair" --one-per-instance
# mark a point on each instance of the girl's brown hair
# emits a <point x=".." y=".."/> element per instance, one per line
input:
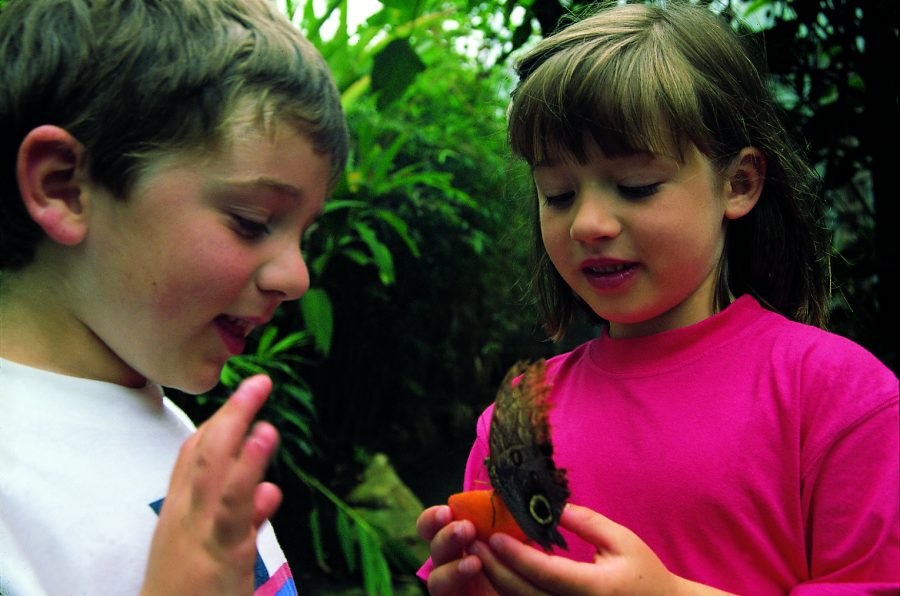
<point x="639" y="78"/>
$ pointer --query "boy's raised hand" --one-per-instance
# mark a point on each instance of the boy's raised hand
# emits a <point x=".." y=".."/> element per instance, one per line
<point x="454" y="571"/>
<point x="205" y="541"/>
<point x="623" y="563"/>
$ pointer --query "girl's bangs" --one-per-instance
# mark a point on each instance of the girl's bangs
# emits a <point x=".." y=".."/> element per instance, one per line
<point x="626" y="100"/>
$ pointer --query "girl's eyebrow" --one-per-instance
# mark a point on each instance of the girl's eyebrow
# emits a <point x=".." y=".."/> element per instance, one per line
<point x="643" y="157"/>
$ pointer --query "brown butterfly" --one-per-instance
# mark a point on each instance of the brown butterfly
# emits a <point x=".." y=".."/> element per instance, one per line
<point x="521" y="464"/>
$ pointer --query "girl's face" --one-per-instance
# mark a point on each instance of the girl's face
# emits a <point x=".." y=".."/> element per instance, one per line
<point x="638" y="238"/>
<point x="203" y="251"/>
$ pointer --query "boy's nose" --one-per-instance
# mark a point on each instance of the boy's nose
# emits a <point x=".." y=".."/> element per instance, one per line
<point x="285" y="274"/>
<point x="594" y="218"/>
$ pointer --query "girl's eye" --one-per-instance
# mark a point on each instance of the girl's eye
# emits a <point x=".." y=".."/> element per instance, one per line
<point x="560" y="200"/>
<point x="249" y="229"/>
<point x="638" y="192"/>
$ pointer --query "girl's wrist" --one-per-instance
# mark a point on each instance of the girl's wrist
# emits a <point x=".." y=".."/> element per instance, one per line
<point x="686" y="587"/>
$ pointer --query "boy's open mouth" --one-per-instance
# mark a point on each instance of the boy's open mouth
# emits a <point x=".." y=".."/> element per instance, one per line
<point x="233" y="332"/>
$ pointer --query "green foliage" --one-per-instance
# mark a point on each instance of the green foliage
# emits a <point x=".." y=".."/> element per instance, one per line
<point x="406" y="279"/>
<point x="416" y="307"/>
<point x="834" y="63"/>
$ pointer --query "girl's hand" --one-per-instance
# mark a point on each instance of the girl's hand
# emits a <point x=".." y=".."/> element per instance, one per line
<point x="205" y="540"/>
<point x="454" y="571"/>
<point x="624" y="564"/>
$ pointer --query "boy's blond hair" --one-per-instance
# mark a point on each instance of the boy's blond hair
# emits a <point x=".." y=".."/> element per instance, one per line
<point x="135" y="79"/>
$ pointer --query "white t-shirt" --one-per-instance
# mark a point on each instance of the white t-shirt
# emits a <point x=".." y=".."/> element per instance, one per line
<point x="84" y="466"/>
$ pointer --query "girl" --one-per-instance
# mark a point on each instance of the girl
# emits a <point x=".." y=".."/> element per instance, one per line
<point x="715" y="437"/>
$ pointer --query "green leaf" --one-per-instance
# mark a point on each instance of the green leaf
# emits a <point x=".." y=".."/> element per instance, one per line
<point x="394" y="69"/>
<point x="381" y="255"/>
<point x="315" y="530"/>
<point x="376" y="574"/>
<point x="296" y="339"/>
<point x="302" y="396"/>
<point x="266" y="339"/>
<point x="296" y="421"/>
<point x="315" y="306"/>
<point x="346" y="539"/>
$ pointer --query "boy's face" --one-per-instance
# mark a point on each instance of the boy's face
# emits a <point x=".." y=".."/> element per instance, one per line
<point x="201" y="252"/>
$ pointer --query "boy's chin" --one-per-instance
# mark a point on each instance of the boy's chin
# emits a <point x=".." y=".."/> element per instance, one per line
<point x="197" y="384"/>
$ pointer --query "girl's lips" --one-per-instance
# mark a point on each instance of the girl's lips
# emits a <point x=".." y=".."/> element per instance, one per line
<point x="608" y="274"/>
<point x="232" y="331"/>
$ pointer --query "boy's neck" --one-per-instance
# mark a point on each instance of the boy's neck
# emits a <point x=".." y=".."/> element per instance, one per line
<point x="38" y="329"/>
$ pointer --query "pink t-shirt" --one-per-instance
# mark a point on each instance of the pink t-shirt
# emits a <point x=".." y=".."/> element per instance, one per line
<point x="751" y="453"/>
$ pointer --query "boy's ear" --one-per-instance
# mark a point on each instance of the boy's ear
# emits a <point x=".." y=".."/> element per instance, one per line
<point x="744" y="182"/>
<point x="49" y="172"/>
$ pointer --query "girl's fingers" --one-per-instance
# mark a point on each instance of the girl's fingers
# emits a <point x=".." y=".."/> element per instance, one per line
<point x="430" y="521"/>
<point x="452" y="579"/>
<point x="451" y="542"/>
<point x="517" y="568"/>
<point x="593" y="527"/>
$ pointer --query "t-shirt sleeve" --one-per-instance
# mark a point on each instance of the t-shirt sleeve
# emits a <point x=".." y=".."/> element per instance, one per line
<point x="850" y="485"/>
<point x="851" y="500"/>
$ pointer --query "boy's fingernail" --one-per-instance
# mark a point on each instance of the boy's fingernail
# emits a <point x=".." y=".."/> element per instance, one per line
<point x="263" y="436"/>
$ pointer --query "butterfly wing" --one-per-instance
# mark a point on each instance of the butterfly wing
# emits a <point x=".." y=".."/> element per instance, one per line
<point x="521" y="464"/>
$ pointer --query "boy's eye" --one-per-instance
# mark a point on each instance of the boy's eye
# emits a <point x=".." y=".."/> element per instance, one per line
<point x="249" y="229"/>
<point x="560" y="200"/>
<point x="638" y="192"/>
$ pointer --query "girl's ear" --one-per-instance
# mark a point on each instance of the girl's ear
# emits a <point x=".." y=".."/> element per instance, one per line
<point x="49" y="172"/>
<point x="744" y="182"/>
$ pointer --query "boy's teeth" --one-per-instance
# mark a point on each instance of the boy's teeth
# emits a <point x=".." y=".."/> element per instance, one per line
<point x="237" y="322"/>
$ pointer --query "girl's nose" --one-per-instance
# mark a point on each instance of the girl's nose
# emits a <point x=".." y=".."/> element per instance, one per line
<point x="594" y="218"/>
<point x="286" y="273"/>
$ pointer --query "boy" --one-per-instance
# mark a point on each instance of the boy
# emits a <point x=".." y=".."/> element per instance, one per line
<point x="161" y="161"/>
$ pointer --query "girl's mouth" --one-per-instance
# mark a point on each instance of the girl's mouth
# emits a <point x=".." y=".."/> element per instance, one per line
<point x="609" y="276"/>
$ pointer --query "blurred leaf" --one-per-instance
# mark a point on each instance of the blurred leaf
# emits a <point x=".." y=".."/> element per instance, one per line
<point x="376" y="575"/>
<point x="315" y="531"/>
<point x="381" y="255"/>
<point x="394" y="70"/>
<point x="346" y="538"/>
<point x="315" y="307"/>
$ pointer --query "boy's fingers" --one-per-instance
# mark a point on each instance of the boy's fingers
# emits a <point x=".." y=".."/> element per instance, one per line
<point x="238" y="507"/>
<point x="266" y="501"/>
<point x="221" y="437"/>
<point x="181" y="474"/>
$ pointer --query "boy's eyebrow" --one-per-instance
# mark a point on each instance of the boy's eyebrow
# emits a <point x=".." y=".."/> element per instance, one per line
<point x="273" y="184"/>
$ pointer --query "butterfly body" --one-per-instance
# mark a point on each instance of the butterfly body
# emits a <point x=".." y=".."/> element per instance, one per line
<point x="521" y="465"/>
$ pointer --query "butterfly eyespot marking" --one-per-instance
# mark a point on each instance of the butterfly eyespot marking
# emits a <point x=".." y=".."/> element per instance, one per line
<point x="520" y="465"/>
<point x="540" y="509"/>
